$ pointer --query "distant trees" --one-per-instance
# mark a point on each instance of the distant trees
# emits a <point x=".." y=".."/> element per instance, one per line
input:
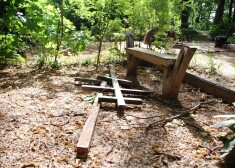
<point x="219" y="12"/>
<point x="32" y="23"/>
<point x="54" y="24"/>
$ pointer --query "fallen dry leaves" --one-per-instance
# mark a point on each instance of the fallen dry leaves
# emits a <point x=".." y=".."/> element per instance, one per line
<point x="42" y="114"/>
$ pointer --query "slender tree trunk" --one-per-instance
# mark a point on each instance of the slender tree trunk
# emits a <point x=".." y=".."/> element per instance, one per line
<point x="230" y="10"/>
<point x="60" y="30"/>
<point x="99" y="51"/>
<point x="219" y="12"/>
<point x="233" y="15"/>
<point x="232" y="28"/>
<point x="185" y="16"/>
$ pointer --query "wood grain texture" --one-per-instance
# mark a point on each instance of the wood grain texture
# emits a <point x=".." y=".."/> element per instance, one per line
<point x="110" y="89"/>
<point x="84" y="142"/>
<point x="88" y="80"/>
<point x="120" y="100"/>
<point x="161" y="59"/>
<point x="227" y="95"/>
<point x="128" y="100"/>
<point x="174" y="67"/>
<point x="122" y="82"/>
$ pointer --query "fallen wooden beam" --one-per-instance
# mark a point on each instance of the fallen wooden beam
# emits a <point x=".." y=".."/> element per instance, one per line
<point x="122" y="82"/>
<point x="128" y="100"/>
<point x="121" y="105"/>
<point x="217" y="90"/>
<point x="84" y="142"/>
<point x="110" y="89"/>
<point x="89" y="80"/>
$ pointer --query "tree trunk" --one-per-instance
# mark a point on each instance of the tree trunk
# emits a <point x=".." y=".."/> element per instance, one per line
<point x="230" y="10"/>
<point x="232" y="28"/>
<point x="219" y="12"/>
<point x="60" y="30"/>
<point x="185" y="16"/>
<point x="99" y="51"/>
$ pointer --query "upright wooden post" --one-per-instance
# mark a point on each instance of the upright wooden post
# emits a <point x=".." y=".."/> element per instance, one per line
<point x="132" y="62"/>
<point x="173" y="78"/>
<point x="129" y="39"/>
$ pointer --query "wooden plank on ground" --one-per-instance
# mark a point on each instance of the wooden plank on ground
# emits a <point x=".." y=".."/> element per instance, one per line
<point x="110" y="89"/>
<point x="122" y="82"/>
<point x="84" y="142"/>
<point x="120" y="100"/>
<point x="209" y="87"/>
<point x="88" y="80"/>
<point x="128" y="100"/>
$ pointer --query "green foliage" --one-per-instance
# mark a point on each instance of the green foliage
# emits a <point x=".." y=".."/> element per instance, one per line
<point x="188" y="34"/>
<point x="221" y="29"/>
<point x="231" y="40"/>
<point x="52" y="25"/>
<point x="41" y="60"/>
<point x="88" y="61"/>
<point x="37" y="23"/>
<point x="91" y="98"/>
<point x="212" y="64"/>
<point x="229" y="138"/>
<point x="78" y="40"/>
<point x="200" y="17"/>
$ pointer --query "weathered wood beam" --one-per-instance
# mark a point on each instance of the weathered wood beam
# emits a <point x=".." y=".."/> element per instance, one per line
<point x="128" y="100"/>
<point x="122" y="82"/>
<point x="172" y="81"/>
<point x="121" y="105"/>
<point x="88" y="80"/>
<point x="84" y="142"/>
<point x="217" y="90"/>
<point x="161" y="59"/>
<point x="109" y="89"/>
<point x="178" y="46"/>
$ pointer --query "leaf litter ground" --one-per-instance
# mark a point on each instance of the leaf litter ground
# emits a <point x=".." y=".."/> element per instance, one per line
<point x="42" y="114"/>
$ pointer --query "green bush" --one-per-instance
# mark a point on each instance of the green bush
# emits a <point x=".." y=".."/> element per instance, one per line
<point x="188" y="34"/>
<point x="221" y="29"/>
<point x="231" y="40"/>
<point x="228" y="139"/>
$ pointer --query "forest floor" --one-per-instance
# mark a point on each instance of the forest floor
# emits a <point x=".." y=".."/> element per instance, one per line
<point x="42" y="113"/>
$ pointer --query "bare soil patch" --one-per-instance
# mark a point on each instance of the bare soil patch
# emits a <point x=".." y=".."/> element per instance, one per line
<point x="42" y="114"/>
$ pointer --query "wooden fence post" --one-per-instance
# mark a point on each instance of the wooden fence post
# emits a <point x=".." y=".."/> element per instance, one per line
<point x="132" y="62"/>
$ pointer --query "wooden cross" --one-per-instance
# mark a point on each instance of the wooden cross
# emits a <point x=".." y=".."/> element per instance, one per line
<point x="84" y="142"/>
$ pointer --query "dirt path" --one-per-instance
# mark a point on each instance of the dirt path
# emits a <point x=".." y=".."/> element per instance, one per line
<point x="42" y="114"/>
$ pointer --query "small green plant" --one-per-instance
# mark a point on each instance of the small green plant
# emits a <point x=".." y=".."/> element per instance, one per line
<point x="88" y="61"/>
<point x="54" y="64"/>
<point x="194" y="60"/>
<point x="91" y="98"/>
<point x="231" y="40"/>
<point x="228" y="138"/>
<point x="221" y="29"/>
<point x="212" y="64"/>
<point x="41" y="60"/>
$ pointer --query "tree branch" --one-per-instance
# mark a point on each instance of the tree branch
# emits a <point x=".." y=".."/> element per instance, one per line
<point x="185" y="114"/>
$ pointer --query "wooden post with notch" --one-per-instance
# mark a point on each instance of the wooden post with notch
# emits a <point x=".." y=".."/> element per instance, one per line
<point x="173" y="78"/>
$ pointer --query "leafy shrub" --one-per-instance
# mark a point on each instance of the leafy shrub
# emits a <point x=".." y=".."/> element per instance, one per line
<point x="231" y="40"/>
<point x="229" y="138"/>
<point x="221" y="29"/>
<point x="188" y="33"/>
